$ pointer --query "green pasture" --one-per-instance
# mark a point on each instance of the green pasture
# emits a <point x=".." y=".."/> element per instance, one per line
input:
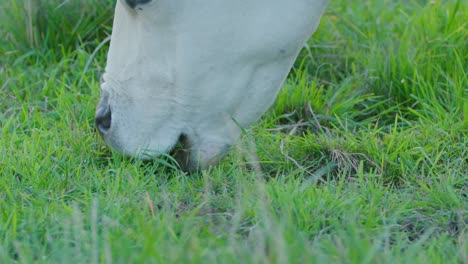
<point x="363" y="158"/>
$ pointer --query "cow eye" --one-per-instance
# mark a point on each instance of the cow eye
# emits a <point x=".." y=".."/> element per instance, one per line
<point x="134" y="3"/>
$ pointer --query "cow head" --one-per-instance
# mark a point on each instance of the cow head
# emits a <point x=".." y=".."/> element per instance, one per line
<point x="195" y="72"/>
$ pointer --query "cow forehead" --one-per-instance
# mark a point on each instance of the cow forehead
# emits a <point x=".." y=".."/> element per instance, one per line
<point x="205" y="42"/>
<point x="216" y="24"/>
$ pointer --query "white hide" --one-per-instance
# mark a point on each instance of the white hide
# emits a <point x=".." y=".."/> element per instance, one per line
<point x="198" y="68"/>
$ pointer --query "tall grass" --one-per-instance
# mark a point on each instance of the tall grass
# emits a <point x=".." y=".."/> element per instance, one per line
<point x="413" y="59"/>
<point x="362" y="158"/>
<point x="51" y="27"/>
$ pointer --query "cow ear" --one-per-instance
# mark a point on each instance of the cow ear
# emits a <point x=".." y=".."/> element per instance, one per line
<point x="134" y="3"/>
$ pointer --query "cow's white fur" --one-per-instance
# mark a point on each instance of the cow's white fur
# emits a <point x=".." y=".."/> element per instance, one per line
<point x="199" y="68"/>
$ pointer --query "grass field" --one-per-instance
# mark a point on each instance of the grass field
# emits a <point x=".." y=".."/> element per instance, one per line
<point x="362" y="159"/>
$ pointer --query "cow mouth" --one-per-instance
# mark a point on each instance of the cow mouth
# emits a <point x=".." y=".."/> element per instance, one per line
<point x="181" y="153"/>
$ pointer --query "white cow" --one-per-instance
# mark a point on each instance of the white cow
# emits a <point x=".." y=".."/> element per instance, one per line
<point x="196" y="71"/>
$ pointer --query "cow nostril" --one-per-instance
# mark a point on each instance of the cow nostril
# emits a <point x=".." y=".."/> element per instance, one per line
<point x="103" y="119"/>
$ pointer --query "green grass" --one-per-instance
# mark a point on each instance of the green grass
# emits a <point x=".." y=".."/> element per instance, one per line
<point x="362" y="159"/>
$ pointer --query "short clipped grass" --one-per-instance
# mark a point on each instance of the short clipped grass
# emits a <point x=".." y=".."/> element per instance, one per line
<point x="362" y="159"/>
